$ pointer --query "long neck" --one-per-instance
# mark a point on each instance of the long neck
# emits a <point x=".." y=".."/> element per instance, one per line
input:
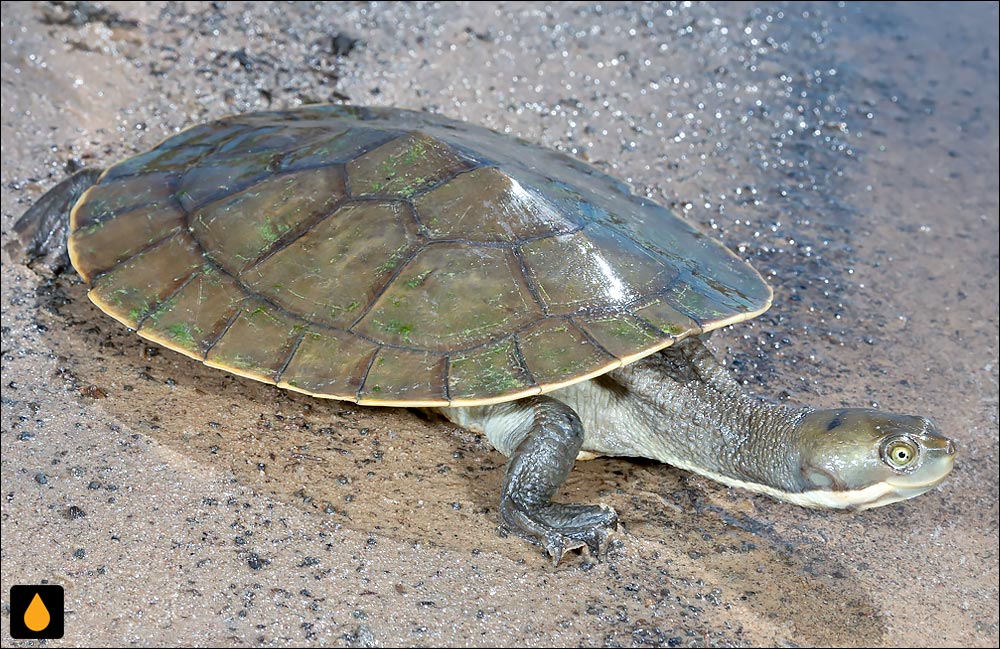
<point x="705" y="424"/>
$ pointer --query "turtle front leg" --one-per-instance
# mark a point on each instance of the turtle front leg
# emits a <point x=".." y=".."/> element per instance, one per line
<point x="541" y="437"/>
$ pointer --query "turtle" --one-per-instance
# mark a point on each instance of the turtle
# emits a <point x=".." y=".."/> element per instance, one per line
<point x="391" y="257"/>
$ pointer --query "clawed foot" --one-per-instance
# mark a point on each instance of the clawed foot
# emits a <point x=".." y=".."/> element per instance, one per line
<point x="558" y="527"/>
<point x="541" y="437"/>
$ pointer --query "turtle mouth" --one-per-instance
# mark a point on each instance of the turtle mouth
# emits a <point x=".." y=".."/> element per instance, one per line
<point x="917" y="487"/>
<point x="930" y="477"/>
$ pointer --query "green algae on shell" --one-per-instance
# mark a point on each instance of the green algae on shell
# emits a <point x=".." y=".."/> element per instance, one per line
<point x="391" y="257"/>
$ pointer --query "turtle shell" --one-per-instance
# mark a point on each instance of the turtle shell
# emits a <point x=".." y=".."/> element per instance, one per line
<point x="391" y="257"/>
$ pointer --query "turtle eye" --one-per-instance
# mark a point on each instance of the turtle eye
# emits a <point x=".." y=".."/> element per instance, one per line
<point x="900" y="453"/>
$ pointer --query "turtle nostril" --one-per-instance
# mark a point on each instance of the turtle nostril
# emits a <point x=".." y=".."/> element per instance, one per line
<point x="951" y="448"/>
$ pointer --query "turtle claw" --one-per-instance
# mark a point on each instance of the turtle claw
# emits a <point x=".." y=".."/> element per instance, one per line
<point x="601" y="541"/>
<point x="597" y="540"/>
<point x="555" y="547"/>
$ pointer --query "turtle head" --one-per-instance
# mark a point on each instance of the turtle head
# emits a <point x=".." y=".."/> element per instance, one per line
<point x="859" y="458"/>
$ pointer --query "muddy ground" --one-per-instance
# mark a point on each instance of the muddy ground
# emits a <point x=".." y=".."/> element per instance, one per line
<point x="849" y="152"/>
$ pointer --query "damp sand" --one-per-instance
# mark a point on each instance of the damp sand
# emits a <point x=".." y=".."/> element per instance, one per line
<point x="849" y="152"/>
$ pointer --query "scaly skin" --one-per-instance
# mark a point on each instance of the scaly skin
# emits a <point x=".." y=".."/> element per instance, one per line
<point x="681" y="407"/>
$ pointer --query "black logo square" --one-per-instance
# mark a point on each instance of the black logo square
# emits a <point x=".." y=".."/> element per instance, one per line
<point x="37" y="612"/>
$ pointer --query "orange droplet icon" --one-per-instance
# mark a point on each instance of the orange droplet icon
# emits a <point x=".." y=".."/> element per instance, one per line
<point x="36" y="617"/>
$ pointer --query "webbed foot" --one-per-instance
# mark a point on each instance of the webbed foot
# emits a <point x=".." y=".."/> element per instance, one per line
<point x="42" y="230"/>
<point x="561" y="527"/>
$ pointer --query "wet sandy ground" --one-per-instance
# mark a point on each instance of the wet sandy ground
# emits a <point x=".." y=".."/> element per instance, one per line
<point x="850" y="152"/>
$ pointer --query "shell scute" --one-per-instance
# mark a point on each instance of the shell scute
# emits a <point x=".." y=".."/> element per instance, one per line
<point x="392" y="257"/>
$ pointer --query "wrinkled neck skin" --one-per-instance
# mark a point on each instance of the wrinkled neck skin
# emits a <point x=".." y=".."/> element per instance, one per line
<point x="684" y="409"/>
